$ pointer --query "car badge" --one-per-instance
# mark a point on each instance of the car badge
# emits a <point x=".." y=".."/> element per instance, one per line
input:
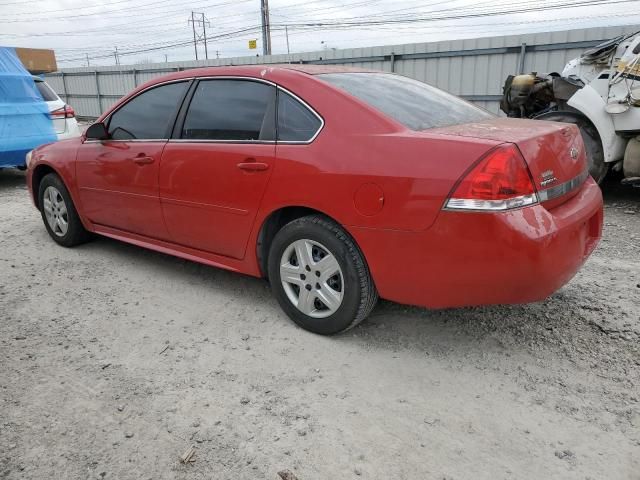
<point x="573" y="152"/>
<point x="547" y="178"/>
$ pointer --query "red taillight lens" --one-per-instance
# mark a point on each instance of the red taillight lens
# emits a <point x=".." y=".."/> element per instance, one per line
<point x="64" y="112"/>
<point x="499" y="181"/>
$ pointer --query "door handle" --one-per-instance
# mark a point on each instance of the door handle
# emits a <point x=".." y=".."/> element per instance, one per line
<point x="142" y="159"/>
<point x="250" y="165"/>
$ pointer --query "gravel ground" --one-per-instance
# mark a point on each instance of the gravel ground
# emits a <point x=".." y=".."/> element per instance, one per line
<point x="114" y="360"/>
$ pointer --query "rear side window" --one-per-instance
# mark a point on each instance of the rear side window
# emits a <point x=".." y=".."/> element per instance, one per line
<point x="149" y="115"/>
<point x="232" y="110"/>
<point x="414" y="104"/>
<point x="48" y="95"/>
<point x="296" y="123"/>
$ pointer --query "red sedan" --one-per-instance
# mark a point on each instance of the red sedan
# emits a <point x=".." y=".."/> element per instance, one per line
<point x="339" y="185"/>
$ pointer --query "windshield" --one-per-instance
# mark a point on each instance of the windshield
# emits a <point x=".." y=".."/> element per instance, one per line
<point x="416" y="105"/>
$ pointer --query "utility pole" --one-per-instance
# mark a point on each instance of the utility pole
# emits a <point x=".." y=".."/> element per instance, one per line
<point x="266" y="28"/>
<point x="204" y="23"/>
<point x="204" y="34"/>
<point x="166" y="58"/>
<point x="286" y="32"/>
<point x="87" y="59"/>
<point x="115" y="54"/>
<point x="195" y="44"/>
<point x="217" y="54"/>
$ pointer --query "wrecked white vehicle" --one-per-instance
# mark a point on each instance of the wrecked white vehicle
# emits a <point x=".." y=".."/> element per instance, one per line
<point x="600" y="93"/>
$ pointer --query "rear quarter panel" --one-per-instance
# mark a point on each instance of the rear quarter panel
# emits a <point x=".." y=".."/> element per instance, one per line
<point x="358" y="146"/>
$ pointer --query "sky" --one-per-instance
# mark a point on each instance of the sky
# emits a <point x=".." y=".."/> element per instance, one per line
<point x="145" y="31"/>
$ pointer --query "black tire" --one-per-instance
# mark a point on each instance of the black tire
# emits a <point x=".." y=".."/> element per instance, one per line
<point x="75" y="233"/>
<point x="592" y="143"/>
<point x="358" y="290"/>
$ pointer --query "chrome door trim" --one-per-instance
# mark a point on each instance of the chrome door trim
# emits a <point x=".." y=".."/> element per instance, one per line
<point x="219" y="77"/>
<point x="312" y="110"/>
<point x="150" y="87"/>
<point x="268" y="82"/>
<point x="134" y="140"/>
<point x="237" y="142"/>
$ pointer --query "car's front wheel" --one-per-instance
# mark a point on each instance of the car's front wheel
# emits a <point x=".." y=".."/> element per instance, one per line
<point x="319" y="276"/>
<point x="59" y="213"/>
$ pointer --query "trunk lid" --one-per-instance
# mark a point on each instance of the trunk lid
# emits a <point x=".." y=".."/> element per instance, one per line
<point x="554" y="151"/>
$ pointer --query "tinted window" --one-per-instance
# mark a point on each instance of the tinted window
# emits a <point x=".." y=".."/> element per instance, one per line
<point x="230" y="110"/>
<point x="48" y="95"/>
<point x="149" y="115"/>
<point x="416" y="105"/>
<point x="296" y="123"/>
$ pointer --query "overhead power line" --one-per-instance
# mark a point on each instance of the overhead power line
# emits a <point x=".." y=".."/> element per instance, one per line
<point x="102" y="12"/>
<point x="430" y="18"/>
<point x="381" y="19"/>
<point x="122" y="53"/>
<point x="125" y="11"/>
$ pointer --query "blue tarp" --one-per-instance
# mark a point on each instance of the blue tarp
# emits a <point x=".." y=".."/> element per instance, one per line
<point x="24" y="116"/>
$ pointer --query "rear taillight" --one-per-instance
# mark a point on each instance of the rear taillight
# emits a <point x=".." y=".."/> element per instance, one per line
<point x="499" y="181"/>
<point x="64" y="112"/>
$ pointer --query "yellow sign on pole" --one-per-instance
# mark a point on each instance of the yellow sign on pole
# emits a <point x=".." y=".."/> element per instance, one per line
<point x="253" y="44"/>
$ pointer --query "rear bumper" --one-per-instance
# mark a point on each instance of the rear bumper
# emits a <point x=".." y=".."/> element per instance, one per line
<point x="469" y="258"/>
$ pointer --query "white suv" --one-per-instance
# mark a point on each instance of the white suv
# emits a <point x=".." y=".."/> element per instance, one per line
<point x="63" y="116"/>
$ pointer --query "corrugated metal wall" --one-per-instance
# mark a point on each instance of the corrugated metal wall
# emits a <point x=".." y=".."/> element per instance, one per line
<point x="474" y="69"/>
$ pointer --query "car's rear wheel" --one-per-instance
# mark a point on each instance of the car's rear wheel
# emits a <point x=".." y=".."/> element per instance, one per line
<point x="59" y="213"/>
<point x="319" y="276"/>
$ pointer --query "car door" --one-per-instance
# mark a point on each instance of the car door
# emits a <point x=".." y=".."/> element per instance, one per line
<point x="215" y="168"/>
<point x="118" y="178"/>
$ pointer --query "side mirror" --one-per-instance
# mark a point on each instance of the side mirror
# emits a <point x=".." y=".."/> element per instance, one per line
<point x="97" y="131"/>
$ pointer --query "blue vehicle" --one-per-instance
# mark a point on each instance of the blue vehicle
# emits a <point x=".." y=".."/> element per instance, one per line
<point x="25" y="121"/>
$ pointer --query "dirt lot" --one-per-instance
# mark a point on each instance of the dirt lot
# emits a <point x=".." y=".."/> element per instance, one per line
<point x="114" y="360"/>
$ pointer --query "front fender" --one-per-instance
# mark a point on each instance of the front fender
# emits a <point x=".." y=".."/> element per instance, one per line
<point x="59" y="157"/>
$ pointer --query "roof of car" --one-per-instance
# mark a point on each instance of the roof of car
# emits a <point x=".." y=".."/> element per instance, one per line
<point x="258" y="70"/>
<point x="319" y="69"/>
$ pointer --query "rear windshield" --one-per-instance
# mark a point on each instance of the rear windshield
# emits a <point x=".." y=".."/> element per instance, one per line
<point x="416" y="105"/>
<point x="48" y="95"/>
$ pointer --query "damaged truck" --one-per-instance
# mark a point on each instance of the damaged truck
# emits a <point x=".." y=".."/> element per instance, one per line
<point x="600" y="93"/>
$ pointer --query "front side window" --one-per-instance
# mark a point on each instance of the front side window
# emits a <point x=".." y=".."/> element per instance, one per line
<point x="296" y="123"/>
<point x="149" y="115"/>
<point x="231" y="110"/>
<point x="414" y="104"/>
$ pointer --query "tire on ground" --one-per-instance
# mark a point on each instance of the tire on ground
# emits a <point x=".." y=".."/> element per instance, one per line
<point x="359" y="292"/>
<point x="76" y="233"/>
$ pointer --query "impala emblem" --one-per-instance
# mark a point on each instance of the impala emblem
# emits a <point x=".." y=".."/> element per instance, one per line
<point x="573" y="152"/>
<point x="547" y="178"/>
